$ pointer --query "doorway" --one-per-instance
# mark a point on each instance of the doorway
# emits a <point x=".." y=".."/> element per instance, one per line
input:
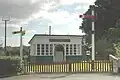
<point x="59" y="53"/>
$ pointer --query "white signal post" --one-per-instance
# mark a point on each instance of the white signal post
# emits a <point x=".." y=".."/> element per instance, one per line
<point x="93" y="30"/>
<point x="21" y="46"/>
<point x="93" y="36"/>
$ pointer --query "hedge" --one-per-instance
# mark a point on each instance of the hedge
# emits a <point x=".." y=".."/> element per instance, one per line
<point x="10" y="57"/>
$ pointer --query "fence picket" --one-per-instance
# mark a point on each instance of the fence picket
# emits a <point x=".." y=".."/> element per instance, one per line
<point x="81" y="66"/>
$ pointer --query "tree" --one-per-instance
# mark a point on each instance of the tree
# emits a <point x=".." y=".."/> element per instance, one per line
<point x="104" y="48"/>
<point x="117" y="49"/>
<point x="108" y="13"/>
<point x="113" y="35"/>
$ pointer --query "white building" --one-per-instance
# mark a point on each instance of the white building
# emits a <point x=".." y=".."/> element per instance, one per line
<point x="45" y="47"/>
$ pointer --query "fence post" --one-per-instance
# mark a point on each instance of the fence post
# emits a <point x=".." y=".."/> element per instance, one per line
<point x="70" y="67"/>
<point x="118" y="65"/>
<point x="115" y="62"/>
<point x="92" y="65"/>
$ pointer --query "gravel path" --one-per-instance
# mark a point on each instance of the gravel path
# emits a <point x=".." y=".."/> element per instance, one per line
<point x="64" y="77"/>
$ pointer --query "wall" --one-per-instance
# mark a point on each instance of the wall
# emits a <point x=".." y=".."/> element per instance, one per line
<point x="41" y="59"/>
<point x="45" y="40"/>
<point x="47" y="59"/>
<point x="8" y="67"/>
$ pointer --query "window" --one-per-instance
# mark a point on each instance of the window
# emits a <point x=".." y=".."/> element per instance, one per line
<point x="38" y="49"/>
<point x="47" y="49"/>
<point x="42" y="49"/>
<point x="78" y="49"/>
<point x="51" y="49"/>
<point x="67" y="49"/>
<point x="42" y="53"/>
<point x="38" y="46"/>
<point x="46" y="53"/>
<point x="46" y="46"/>
<point x="70" y="46"/>
<point x="74" y="46"/>
<point x="71" y="49"/>
<point x="74" y="49"/>
<point x="42" y="46"/>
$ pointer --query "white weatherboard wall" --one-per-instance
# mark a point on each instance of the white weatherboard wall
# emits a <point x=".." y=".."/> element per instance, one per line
<point x="45" y="40"/>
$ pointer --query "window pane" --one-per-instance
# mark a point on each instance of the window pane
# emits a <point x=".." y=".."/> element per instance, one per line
<point x="46" y="53"/>
<point x="42" y="53"/>
<point x="42" y="50"/>
<point x="51" y="48"/>
<point x="74" y="46"/>
<point x="50" y="53"/>
<point x="38" y="50"/>
<point x="74" y="50"/>
<point x="46" y="44"/>
<point x="74" y="53"/>
<point x="66" y="50"/>
<point x="66" y="45"/>
<point x="51" y="45"/>
<point x="38" y="53"/>
<point x="38" y="44"/>
<point x="46" y="50"/>
<point x="67" y="53"/>
<point x="46" y="47"/>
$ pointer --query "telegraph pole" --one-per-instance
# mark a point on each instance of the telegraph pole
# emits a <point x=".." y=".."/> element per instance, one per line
<point x="21" y="46"/>
<point x="5" y="37"/>
<point x="5" y="19"/>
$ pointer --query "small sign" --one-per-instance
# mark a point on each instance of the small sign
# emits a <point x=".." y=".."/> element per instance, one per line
<point x="22" y="32"/>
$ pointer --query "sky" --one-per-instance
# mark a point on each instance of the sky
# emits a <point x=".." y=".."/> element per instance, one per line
<point x="35" y="16"/>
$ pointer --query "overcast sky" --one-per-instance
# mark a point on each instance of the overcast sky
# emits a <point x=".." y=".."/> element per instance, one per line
<point x="36" y="15"/>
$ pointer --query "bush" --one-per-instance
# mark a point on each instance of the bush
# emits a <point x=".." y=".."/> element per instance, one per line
<point x="9" y="58"/>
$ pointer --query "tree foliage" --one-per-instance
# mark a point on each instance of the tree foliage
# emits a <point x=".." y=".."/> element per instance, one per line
<point x="108" y="13"/>
<point x="107" y="25"/>
<point x="103" y="48"/>
<point x="117" y="48"/>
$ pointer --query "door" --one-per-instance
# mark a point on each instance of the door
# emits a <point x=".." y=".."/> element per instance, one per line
<point x="59" y="56"/>
<point x="59" y="53"/>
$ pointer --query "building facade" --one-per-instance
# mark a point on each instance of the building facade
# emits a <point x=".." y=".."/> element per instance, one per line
<point x="57" y="48"/>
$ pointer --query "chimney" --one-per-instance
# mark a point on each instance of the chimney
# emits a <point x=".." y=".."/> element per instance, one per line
<point x="49" y="30"/>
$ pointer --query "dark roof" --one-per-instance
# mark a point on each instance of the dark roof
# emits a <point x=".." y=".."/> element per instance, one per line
<point x="53" y="35"/>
